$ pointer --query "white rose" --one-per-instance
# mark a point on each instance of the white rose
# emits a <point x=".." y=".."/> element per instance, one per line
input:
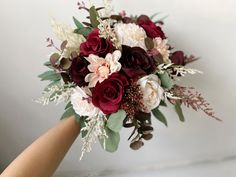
<point x="82" y="103"/>
<point x="152" y="91"/>
<point x="131" y="35"/>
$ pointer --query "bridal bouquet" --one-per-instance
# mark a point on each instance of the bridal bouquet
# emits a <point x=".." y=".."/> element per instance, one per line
<point x="114" y="71"/>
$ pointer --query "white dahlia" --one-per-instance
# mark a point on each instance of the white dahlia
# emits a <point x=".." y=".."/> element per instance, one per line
<point x="131" y="35"/>
<point x="163" y="48"/>
<point x="82" y="103"/>
<point x="65" y="32"/>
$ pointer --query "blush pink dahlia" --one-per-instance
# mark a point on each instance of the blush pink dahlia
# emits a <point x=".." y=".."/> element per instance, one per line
<point x="101" y="68"/>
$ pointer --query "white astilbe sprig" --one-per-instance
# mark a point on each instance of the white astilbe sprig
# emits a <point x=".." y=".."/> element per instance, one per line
<point x="94" y="126"/>
<point x="182" y="71"/>
<point x="176" y="70"/>
<point x="163" y="67"/>
<point x="169" y="95"/>
<point x="56" y="93"/>
<point x="107" y="32"/>
<point x="107" y="11"/>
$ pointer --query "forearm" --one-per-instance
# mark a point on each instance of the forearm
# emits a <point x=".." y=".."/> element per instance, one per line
<point x="43" y="156"/>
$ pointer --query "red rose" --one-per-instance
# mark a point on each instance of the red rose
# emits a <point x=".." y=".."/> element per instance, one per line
<point x="136" y="62"/>
<point x="96" y="45"/>
<point x="151" y="29"/>
<point x="178" y="58"/>
<point x="79" y="70"/>
<point x="108" y="94"/>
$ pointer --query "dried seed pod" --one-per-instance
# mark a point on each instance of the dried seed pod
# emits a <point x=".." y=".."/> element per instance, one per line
<point x="128" y="125"/>
<point x="136" y="145"/>
<point x="142" y="116"/>
<point x="147" y="136"/>
<point x="145" y="130"/>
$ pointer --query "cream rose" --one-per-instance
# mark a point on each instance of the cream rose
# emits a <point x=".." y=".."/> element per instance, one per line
<point x="152" y="91"/>
<point x="82" y="103"/>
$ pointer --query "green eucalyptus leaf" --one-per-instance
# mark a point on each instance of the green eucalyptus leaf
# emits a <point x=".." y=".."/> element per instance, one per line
<point x="166" y="80"/>
<point x="78" y="24"/>
<point x="115" y="121"/>
<point x="50" y="75"/>
<point x="179" y="111"/>
<point x="158" y="114"/>
<point x="111" y="142"/>
<point x="68" y="105"/>
<point x="93" y="17"/>
<point x="69" y="112"/>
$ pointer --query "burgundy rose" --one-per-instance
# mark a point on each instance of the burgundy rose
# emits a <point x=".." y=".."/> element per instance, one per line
<point x="178" y="58"/>
<point x="96" y="45"/>
<point x="108" y="94"/>
<point x="136" y="62"/>
<point x="79" y="70"/>
<point x="151" y="29"/>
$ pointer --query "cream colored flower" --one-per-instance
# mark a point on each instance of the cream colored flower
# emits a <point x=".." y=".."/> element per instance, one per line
<point x="101" y="68"/>
<point x="64" y="32"/>
<point x="152" y="91"/>
<point x="161" y="46"/>
<point x="131" y="35"/>
<point x="82" y="103"/>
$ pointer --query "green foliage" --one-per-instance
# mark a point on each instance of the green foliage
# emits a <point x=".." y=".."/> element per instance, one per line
<point x="112" y="142"/>
<point x="82" y="125"/>
<point x="166" y="80"/>
<point x="69" y="112"/>
<point x="158" y="114"/>
<point x="154" y="15"/>
<point x="51" y="84"/>
<point x="179" y="111"/>
<point x="78" y="24"/>
<point x="94" y="17"/>
<point x="163" y="103"/>
<point x="115" y="121"/>
<point x="68" y="105"/>
<point x="48" y="64"/>
<point x="84" y="31"/>
<point x="50" y="75"/>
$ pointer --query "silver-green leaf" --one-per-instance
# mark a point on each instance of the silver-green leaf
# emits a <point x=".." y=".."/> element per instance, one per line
<point x="111" y="142"/>
<point x="50" y="75"/>
<point x="166" y="80"/>
<point x="115" y="121"/>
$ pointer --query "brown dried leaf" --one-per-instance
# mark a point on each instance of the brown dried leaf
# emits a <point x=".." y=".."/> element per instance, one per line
<point x="54" y="58"/>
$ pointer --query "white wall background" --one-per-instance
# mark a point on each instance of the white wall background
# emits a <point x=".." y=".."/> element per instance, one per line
<point x="206" y="28"/>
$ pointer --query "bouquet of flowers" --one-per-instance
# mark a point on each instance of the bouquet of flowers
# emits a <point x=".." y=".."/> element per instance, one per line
<point x="116" y="71"/>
